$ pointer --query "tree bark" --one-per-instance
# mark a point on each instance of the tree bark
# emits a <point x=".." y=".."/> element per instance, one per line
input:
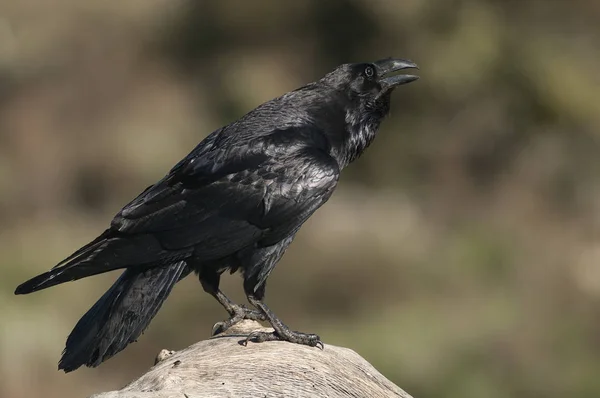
<point x="222" y="367"/>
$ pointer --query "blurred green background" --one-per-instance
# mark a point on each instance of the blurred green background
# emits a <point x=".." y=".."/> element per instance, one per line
<point x="460" y="255"/>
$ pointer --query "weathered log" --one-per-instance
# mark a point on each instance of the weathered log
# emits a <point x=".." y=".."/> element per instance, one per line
<point x="223" y="367"/>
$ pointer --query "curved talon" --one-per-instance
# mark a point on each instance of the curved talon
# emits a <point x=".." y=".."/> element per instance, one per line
<point x="250" y="336"/>
<point x="218" y="328"/>
<point x="247" y="339"/>
<point x="259" y="336"/>
<point x="313" y="340"/>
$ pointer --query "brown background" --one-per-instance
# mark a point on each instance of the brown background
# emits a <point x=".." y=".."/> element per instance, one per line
<point x="460" y="255"/>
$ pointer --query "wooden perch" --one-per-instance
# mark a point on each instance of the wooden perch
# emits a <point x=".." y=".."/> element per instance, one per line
<point x="222" y="367"/>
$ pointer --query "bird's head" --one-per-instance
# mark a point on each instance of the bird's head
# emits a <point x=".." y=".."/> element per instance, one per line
<point x="371" y="83"/>
<point x="363" y="92"/>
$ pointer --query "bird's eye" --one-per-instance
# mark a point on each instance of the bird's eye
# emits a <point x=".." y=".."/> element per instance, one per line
<point x="369" y="71"/>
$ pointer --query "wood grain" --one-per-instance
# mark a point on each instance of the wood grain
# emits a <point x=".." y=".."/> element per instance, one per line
<point x="222" y="367"/>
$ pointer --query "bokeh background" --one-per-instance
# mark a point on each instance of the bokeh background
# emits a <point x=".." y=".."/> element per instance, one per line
<point x="460" y="255"/>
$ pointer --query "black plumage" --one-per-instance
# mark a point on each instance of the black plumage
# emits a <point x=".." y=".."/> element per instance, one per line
<point x="234" y="203"/>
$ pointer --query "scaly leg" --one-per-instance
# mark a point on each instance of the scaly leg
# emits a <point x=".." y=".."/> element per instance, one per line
<point x="237" y="312"/>
<point x="282" y="331"/>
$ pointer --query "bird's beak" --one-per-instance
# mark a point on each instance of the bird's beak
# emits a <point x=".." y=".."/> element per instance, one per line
<point x="389" y="65"/>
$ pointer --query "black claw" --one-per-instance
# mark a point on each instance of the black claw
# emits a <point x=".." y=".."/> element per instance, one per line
<point x="260" y="337"/>
<point x="218" y="328"/>
<point x="247" y="339"/>
<point x="311" y="340"/>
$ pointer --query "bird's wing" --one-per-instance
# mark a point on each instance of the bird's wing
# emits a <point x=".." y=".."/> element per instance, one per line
<point x="224" y="199"/>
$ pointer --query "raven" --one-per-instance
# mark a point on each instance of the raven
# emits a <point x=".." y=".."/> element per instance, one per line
<point x="234" y="203"/>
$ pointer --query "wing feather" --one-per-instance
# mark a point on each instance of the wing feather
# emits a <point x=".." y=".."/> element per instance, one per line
<point x="229" y="199"/>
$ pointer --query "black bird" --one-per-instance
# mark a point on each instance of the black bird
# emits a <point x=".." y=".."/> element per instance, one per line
<point x="234" y="203"/>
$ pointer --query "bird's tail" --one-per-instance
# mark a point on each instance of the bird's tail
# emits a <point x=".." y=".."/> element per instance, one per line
<point x="120" y="315"/>
<point x="106" y="253"/>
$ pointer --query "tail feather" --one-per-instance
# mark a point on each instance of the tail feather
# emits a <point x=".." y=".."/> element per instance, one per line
<point x="87" y="249"/>
<point x="105" y="253"/>
<point x="120" y="316"/>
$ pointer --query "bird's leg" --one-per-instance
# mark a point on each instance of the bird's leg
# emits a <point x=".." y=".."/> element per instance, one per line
<point x="237" y="312"/>
<point x="282" y="331"/>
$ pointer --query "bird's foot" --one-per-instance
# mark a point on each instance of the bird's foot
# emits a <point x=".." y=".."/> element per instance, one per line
<point x="238" y="313"/>
<point x="292" y="336"/>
